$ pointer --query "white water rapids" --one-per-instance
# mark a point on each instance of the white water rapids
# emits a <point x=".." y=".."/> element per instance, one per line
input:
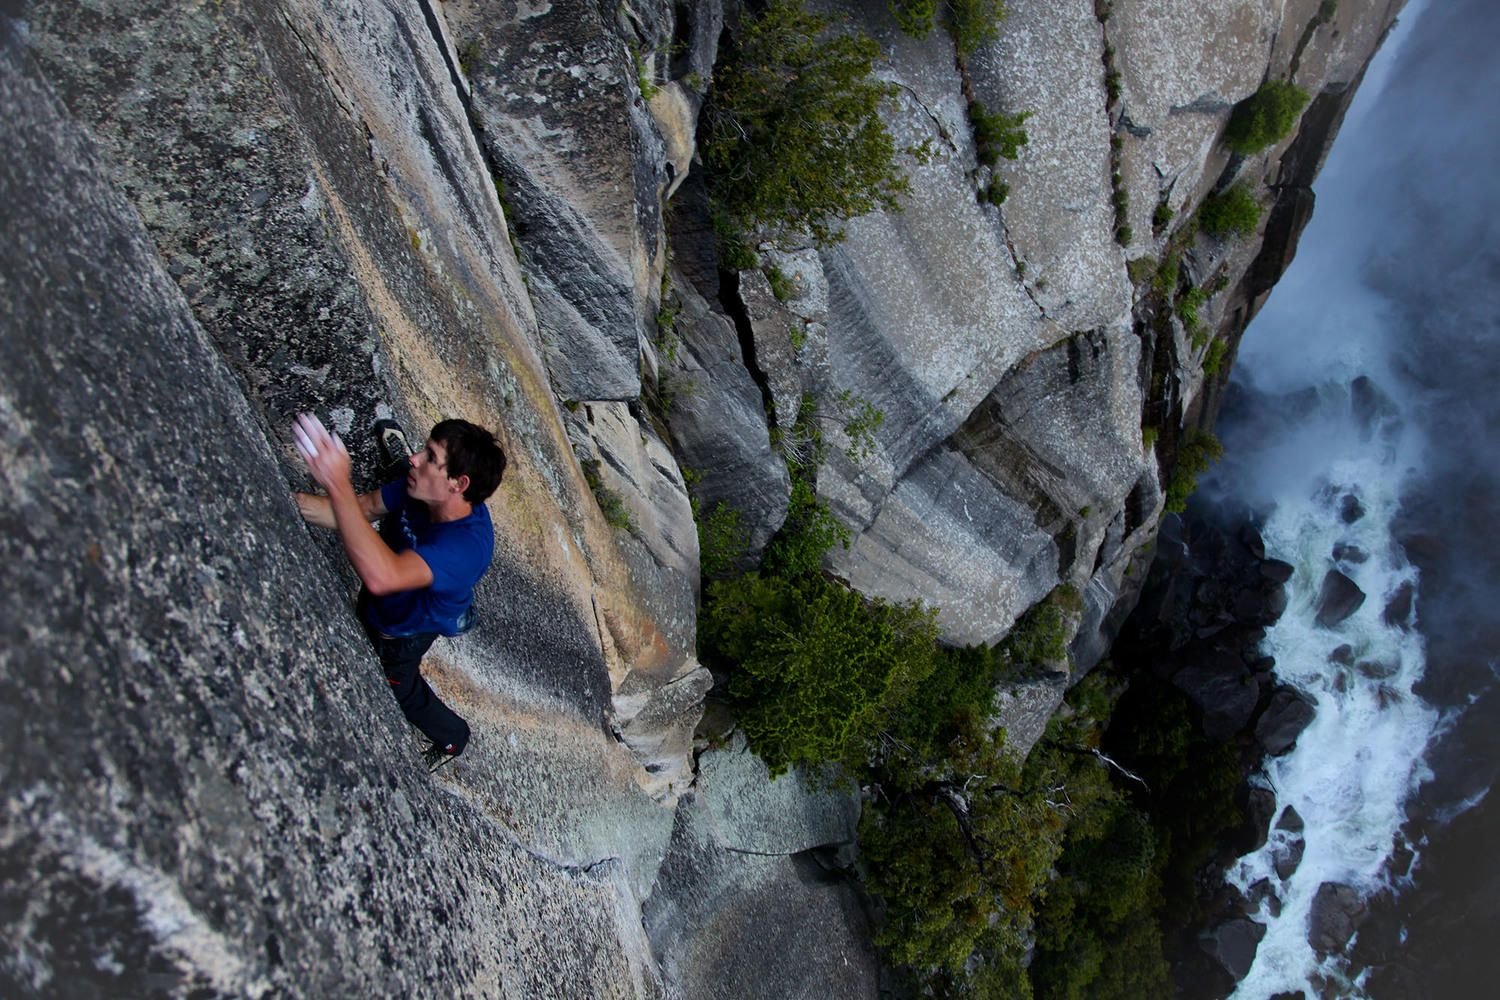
<point x="1324" y="355"/>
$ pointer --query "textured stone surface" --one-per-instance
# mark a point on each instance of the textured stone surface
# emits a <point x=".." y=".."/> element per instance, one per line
<point x="726" y="923"/>
<point x="1059" y="218"/>
<point x="748" y="811"/>
<point x="238" y="810"/>
<point x="555" y="91"/>
<point x="718" y="421"/>
<point x="1023" y="709"/>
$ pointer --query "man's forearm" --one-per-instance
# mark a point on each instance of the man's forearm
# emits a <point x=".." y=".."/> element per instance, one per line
<point x="372" y="559"/>
<point x="315" y="510"/>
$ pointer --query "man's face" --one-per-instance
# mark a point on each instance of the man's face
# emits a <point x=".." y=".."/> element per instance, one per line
<point x="428" y="479"/>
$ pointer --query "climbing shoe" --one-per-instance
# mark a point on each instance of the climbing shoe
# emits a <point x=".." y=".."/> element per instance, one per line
<point x="395" y="451"/>
<point x="436" y="756"/>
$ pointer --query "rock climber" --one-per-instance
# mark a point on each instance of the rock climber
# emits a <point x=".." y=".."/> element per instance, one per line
<point x="419" y="572"/>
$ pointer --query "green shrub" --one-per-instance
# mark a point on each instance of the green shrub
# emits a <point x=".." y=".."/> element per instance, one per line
<point x="1231" y="212"/>
<point x="1161" y="218"/>
<point x="791" y="134"/>
<point x="1040" y="636"/>
<point x="722" y="540"/>
<point x="974" y="23"/>
<point x="971" y="23"/>
<point x="782" y="287"/>
<point x="817" y="669"/>
<point x="1265" y="117"/>
<point x="1213" y="361"/>
<point x="861" y="419"/>
<point x="1194" y="456"/>
<point x="809" y="532"/>
<point x="1124" y="235"/>
<point x="960" y="860"/>
<point x="915" y="17"/>
<point x="1188" y="304"/>
<point x="997" y="134"/>
<point x="616" y="514"/>
<point x="996" y="192"/>
<point x="1165" y="282"/>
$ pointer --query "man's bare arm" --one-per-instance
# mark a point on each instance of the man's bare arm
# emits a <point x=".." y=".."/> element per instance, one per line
<point x="379" y="569"/>
<point x="318" y="511"/>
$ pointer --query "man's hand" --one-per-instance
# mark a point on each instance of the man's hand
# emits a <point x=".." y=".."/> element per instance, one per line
<point x="315" y="510"/>
<point x="326" y="457"/>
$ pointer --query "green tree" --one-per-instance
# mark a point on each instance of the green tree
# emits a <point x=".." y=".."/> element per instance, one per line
<point x="817" y="669"/>
<point x="791" y="134"/>
<point x="1265" y="117"/>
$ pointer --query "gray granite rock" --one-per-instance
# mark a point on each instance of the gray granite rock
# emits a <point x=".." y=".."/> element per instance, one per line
<point x="1023" y="710"/>
<point x="726" y="923"/>
<point x="747" y="810"/>
<point x="208" y="790"/>
<point x="717" y="421"/>
<point x="555" y="94"/>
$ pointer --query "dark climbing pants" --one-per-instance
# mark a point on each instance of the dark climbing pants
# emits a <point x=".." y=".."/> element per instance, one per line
<point x="402" y="658"/>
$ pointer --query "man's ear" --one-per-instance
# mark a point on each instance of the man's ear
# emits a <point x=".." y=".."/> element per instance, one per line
<point x="461" y="484"/>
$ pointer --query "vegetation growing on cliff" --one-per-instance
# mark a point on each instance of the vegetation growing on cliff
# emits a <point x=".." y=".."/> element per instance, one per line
<point x="972" y="23"/>
<point x="1234" y="212"/>
<point x="1197" y="451"/>
<point x="1265" y="117"/>
<point x="791" y="134"/>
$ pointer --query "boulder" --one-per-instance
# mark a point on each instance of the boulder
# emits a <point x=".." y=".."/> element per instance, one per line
<point x="1289" y="856"/>
<point x="1276" y="571"/>
<point x="1023" y="709"/>
<point x="1398" y="609"/>
<point x="1346" y="553"/>
<point x="1233" y="945"/>
<point x="1290" y="820"/>
<point x="1337" y="911"/>
<point x="1378" y="669"/>
<point x="1222" y="687"/>
<point x="1288" y="713"/>
<point x="582" y="162"/>
<point x="749" y="811"/>
<point x="731" y="923"/>
<point x="1260" y="807"/>
<point x="1338" y="598"/>
<point x="1350" y="508"/>
<point x="716" y="418"/>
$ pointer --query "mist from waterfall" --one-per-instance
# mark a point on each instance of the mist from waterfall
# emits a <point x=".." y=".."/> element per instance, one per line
<point x="1358" y="431"/>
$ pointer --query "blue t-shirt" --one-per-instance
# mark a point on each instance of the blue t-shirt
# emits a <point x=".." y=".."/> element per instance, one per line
<point x="457" y="552"/>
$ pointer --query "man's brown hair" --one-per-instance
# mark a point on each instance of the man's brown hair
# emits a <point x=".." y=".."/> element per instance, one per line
<point x="473" y="452"/>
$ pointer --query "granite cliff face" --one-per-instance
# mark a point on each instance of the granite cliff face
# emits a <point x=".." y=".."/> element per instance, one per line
<point x="221" y="214"/>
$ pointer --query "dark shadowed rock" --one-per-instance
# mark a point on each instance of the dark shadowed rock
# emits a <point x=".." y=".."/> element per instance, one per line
<point x="1221" y="686"/>
<point x="1289" y="857"/>
<point x="1337" y="912"/>
<point x="1398" y="609"/>
<point x="1260" y="807"/>
<point x="1350" y="509"/>
<point x="1276" y="570"/>
<point x="1233" y="945"/>
<point x="1275" y="606"/>
<point x="1344" y="655"/>
<point x="1338" y="598"/>
<point x="1285" y="717"/>
<point x="1252" y="540"/>
<point x="1378" y="669"/>
<point x="1290" y="820"/>
<point x="1346" y="553"/>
